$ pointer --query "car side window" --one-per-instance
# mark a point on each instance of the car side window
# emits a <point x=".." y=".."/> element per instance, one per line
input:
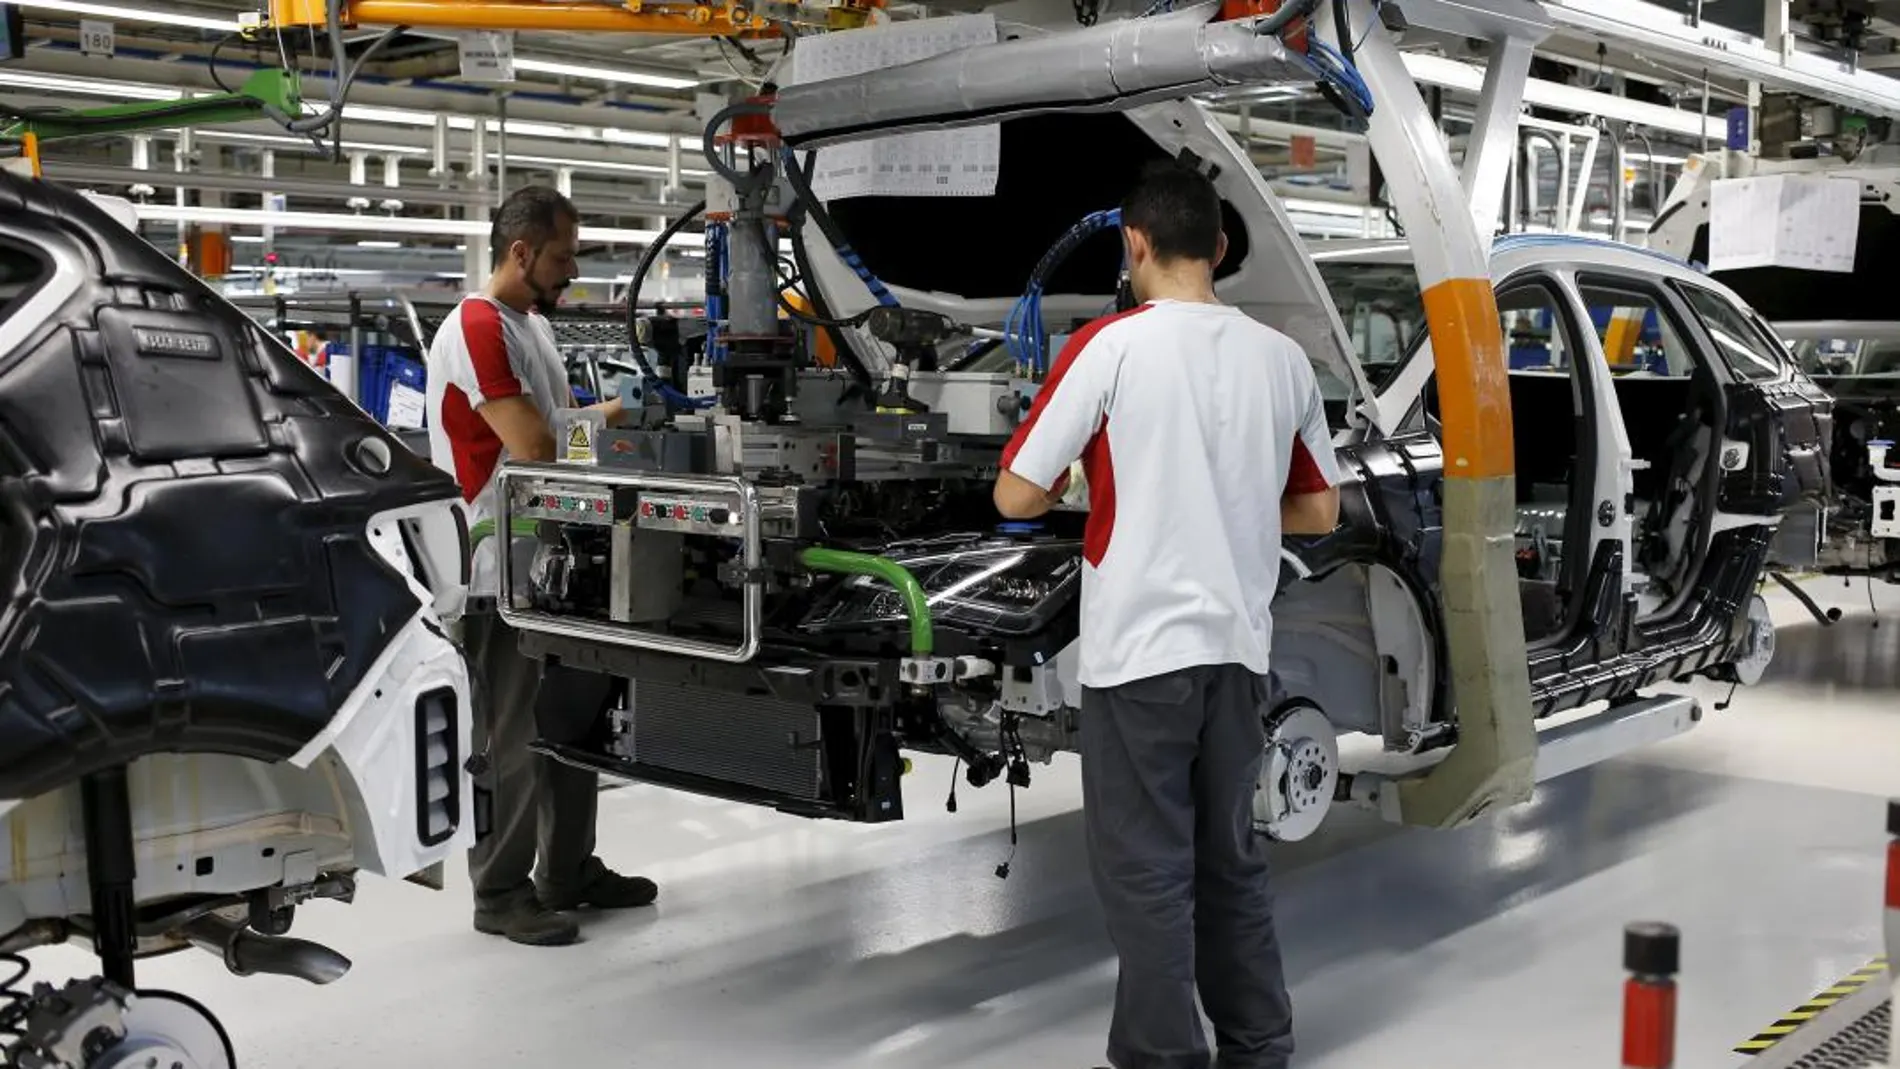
<point x="1533" y="336"/>
<point x="21" y="272"/>
<point x="1880" y="358"/>
<point x="1747" y="353"/>
<point x="1537" y="338"/>
<point x="1638" y="338"/>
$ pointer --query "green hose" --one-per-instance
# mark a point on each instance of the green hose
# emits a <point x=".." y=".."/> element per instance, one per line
<point x="485" y="530"/>
<point x="916" y="604"/>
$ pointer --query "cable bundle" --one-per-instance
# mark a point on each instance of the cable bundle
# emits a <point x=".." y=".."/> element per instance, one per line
<point x="1023" y="331"/>
<point x="1339" y="72"/>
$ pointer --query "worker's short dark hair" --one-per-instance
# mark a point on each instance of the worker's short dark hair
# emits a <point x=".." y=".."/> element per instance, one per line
<point x="1178" y="209"/>
<point x="532" y="214"/>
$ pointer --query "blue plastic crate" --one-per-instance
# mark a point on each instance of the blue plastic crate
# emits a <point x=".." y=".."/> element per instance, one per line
<point x="399" y="369"/>
<point x="378" y="370"/>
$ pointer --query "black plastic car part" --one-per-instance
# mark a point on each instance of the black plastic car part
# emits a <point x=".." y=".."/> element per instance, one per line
<point x="185" y="512"/>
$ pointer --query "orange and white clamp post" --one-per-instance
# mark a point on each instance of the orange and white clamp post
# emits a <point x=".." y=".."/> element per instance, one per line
<point x="1652" y="954"/>
<point x="27" y="163"/>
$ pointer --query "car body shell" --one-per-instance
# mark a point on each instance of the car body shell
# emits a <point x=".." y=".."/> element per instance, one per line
<point x="227" y="583"/>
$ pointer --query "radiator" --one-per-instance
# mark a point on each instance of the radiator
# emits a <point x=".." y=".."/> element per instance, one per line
<point x="1798" y="539"/>
<point x="760" y="742"/>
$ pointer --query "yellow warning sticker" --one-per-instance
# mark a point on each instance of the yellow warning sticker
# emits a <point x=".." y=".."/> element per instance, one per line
<point x="580" y="441"/>
<point x="1791" y="1022"/>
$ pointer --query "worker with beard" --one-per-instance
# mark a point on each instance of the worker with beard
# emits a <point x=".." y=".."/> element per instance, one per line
<point x="497" y="387"/>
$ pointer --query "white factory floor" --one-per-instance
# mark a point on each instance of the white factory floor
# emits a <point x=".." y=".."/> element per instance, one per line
<point x="798" y="945"/>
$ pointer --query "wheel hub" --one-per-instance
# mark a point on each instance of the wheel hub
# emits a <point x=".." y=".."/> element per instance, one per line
<point x="1299" y="774"/>
<point x="94" y="1024"/>
<point x="1758" y="647"/>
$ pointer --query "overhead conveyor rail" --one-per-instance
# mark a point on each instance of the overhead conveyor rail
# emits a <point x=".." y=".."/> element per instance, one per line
<point x="1777" y="64"/>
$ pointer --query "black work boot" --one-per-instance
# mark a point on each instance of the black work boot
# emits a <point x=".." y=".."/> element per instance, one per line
<point x="601" y="888"/>
<point x="527" y="921"/>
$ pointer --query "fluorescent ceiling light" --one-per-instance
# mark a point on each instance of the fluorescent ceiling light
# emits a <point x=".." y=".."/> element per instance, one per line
<point x="87" y="86"/>
<point x="127" y="14"/>
<point x="637" y="137"/>
<point x="1324" y="207"/>
<point x="338" y="222"/>
<point x="351" y="113"/>
<point x="246" y="239"/>
<point x="590" y="165"/>
<point x="301" y="142"/>
<point x="373" y="243"/>
<point x="604" y="74"/>
<point x="542" y="129"/>
<point x="341" y="222"/>
<point x="558" y="132"/>
<point x="516" y="127"/>
<point x="298" y="272"/>
<point x="392" y="116"/>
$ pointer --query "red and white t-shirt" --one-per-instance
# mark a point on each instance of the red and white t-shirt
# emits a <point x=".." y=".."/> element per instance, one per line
<point x="484" y="352"/>
<point x="1192" y="421"/>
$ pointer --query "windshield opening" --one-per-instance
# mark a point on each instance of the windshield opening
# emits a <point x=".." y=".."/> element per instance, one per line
<point x="1847" y="356"/>
<point x="1380" y="305"/>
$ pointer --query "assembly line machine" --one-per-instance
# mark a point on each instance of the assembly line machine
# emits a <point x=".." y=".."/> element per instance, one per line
<point x="799" y="570"/>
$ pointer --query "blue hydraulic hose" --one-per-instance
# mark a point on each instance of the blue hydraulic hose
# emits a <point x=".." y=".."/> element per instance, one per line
<point x="1023" y="330"/>
<point x="814" y="210"/>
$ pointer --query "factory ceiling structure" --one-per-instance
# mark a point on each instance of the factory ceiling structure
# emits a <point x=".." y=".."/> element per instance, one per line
<point x="613" y="116"/>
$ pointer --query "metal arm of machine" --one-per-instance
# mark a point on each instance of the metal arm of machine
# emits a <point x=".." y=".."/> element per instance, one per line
<point x="266" y="93"/>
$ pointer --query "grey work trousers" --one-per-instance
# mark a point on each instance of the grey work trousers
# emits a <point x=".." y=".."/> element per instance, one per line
<point x="1169" y="766"/>
<point x="541" y="807"/>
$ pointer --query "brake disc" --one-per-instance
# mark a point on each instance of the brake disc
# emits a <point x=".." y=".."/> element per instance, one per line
<point x="95" y="1024"/>
<point x="1299" y="774"/>
<point x="1758" y="647"/>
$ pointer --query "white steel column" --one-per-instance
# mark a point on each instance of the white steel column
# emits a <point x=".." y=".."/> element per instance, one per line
<point x="1494" y="137"/>
<point x="182" y="151"/>
<point x="1585" y="171"/>
<point x="1775" y="33"/>
<point x="476" y="255"/>
<point x="439" y="146"/>
<point x="674" y="187"/>
<point x="1619" y="186"/>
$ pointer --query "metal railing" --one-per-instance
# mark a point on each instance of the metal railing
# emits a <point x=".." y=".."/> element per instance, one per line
<point x="745" y="498"/>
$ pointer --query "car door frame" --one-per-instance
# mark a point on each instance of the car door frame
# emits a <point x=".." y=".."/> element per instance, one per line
<point x="1670" y="303"/>
<point x="1611" y="474"/>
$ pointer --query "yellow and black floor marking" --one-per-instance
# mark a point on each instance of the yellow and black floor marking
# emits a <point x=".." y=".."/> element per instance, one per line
<point x="1792" y="1021"/>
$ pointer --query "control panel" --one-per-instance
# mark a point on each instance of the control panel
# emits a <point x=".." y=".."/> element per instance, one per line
<point x="565" y="504"/>
<point x="687" y="515"/>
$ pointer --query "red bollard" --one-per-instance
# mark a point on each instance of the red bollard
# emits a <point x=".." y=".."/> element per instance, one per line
<point x="1893" y="886"/>
<point x="1893" y="919"/>
<point x="1651" y="955"/>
